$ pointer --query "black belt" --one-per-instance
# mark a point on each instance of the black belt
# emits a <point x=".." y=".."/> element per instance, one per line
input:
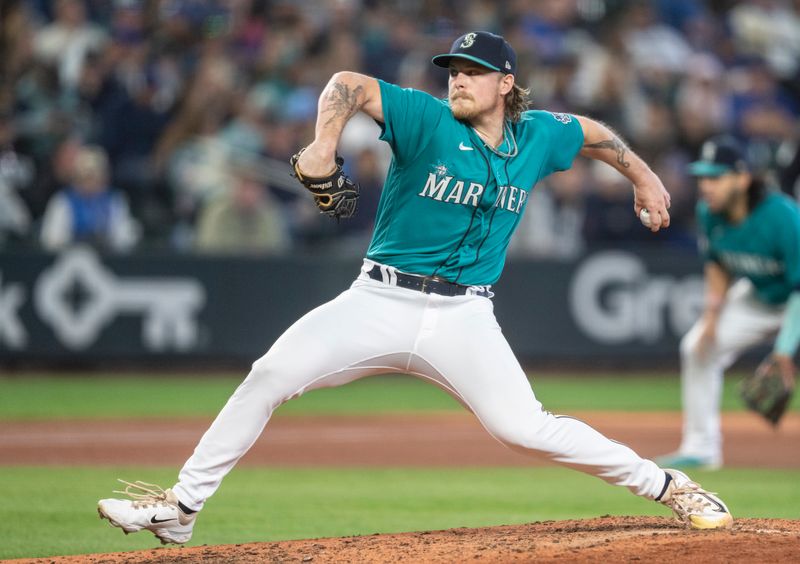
<point x="427" y="284"/>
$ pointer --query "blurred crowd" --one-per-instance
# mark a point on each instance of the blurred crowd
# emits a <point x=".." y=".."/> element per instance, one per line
<point x="168" y="124"/>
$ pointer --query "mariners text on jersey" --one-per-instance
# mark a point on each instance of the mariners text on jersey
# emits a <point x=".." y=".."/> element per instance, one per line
<point x="746" y="263"/>
<point x="443" y="189"/>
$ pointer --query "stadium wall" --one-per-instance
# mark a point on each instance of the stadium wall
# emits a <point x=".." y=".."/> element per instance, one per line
<point x="81" y="307"/>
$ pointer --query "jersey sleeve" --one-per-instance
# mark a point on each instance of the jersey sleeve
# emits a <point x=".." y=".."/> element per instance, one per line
<point x="566" y="140"/>
<point x="704" y="224"/>
<point x="409" y="119"/>
<point x="789" y="241"/>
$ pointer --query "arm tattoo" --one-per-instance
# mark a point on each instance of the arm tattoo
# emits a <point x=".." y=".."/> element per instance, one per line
<point x="342" y="102"/>
<point x="615" y="145"/>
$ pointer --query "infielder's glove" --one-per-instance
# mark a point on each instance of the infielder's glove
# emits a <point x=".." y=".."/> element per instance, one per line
<point x="768" y="390"/>
<point x="335" y="195"/>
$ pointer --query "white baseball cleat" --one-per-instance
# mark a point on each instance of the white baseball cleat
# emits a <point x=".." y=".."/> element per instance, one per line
<point x="692" y="505"/>
<point x="150" y="508"/>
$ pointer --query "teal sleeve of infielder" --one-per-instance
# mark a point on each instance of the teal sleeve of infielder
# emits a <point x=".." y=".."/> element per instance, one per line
<point x="788" y="224"/>
<point x="704" y="220"/>
<point x="409" y="119"/>
<point x="789" y="336"/>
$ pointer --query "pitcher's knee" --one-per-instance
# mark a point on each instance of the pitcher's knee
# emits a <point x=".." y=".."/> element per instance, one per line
<point x="260" y="368"/>
<point x="276" y="364"/>
<point x="689" y="346"/>
<point x="261" y="371"/>
<point x="269" y="379"/>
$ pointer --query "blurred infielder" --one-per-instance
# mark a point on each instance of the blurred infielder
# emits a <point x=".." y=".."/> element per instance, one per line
<point x="752" y="235"/>
<point x="458" y="183"/>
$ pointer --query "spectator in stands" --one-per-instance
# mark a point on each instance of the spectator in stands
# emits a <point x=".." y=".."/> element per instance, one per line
<point x="170" y="88"/>
<point x="66" y="41"/>
<point x="771" y="30"/>
<point x="657" y="50"/>
<point x="16" y="173"/>
<point x="191" y="152"/>
<point x="89" y="210"/>
<point x="245" y="219"/>
<point x="38" y="111"/>
<point x="762" y="108"/>
<point x="131" y="130"/>
<point x="356" y="232"/>
<point x="702" y="103"/>
<point x="16" y="30"/>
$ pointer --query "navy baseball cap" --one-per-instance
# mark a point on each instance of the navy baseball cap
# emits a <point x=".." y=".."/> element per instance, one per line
<point x="484" y="48"/>
<point x="720" y="155"/>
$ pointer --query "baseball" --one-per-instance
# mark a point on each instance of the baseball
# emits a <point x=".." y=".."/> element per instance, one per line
<point x="644" y="217"/>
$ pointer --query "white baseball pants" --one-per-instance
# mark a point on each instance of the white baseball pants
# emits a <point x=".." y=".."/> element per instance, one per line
<point x="377" y="328"/>
<point x="744" y="322"/>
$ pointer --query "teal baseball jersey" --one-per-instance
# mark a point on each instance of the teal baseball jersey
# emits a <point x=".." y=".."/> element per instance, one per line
<point x="450" y="204"/>
<point x="764" y="248"/>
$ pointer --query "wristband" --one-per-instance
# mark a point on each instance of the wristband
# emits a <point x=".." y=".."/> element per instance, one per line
<point x="789" y="336"/>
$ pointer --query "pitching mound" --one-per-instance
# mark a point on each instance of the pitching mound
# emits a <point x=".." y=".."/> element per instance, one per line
<point x="606" y="539"/>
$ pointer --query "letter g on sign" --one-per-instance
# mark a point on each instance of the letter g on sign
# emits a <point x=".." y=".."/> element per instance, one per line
<point x="614" y="275"/>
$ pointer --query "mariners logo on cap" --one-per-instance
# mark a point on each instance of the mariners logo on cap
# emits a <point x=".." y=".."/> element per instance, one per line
<point x="469" y="39"/>
<point x="709" y="151"/>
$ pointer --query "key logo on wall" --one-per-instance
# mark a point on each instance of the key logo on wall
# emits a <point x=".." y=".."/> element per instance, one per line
<point x="78" y="297"/>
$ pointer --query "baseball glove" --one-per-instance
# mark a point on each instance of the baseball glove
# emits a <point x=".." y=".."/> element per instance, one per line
<point x="767" y="391"/>
<point x="336" y="195"/>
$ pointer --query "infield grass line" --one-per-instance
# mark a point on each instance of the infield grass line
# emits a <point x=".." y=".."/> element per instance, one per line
<point x="47" y="396"/>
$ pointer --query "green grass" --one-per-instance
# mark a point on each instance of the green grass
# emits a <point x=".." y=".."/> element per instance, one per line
<point x="279" y="504"/>
<point x="276" y="504"/>
<point x="160" y="395"/>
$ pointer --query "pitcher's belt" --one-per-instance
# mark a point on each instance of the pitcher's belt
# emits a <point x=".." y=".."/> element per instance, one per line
<point x="428" y="284"/>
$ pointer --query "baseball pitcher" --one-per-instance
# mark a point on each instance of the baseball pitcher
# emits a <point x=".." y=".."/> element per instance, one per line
<point x="459" y="181"/>
<point x="750" y="240"/>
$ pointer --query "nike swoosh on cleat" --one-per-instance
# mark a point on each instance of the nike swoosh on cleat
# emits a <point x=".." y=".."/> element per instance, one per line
<point x="154" y="520"/>
<point x="716" y="503"/>
<point x="464" y="147"/>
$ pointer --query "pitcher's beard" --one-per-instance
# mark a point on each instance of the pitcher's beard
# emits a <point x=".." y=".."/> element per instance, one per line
<point x="463" y="112"/>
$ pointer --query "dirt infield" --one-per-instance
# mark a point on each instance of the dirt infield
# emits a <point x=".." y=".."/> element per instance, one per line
<point x="606" y="539"/>
<point x="451" y="439"/>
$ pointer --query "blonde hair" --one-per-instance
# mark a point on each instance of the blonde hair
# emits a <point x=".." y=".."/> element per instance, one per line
<point x="517" y="101"/>
<point x="91" y="161"/>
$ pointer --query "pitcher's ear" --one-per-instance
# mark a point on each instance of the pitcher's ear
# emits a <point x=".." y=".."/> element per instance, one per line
<point x="507" y="83"/>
